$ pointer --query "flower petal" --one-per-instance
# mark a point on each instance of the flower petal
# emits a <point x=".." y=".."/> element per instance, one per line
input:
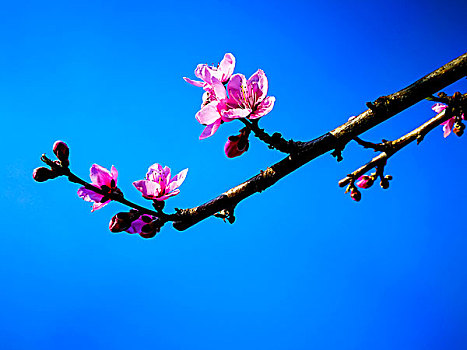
<point x="167" y="195"/>
<point x="237" y="89"/>
<point x="235" y="113"/>
<point x="209" y="114"/>
<point x="448" y="126"/>
<point x="210" y="129"/>
<point x="100" y="176"/>
<point x="97" y="206"/>
<point x="257" y="87"/>
<point x="149" y="189"/>
<point x="114" y="174"/>
<point x="177" y="180"/>
<point x="439" y="107"/>
<point x="264" y="107"/>
<point x="194" y="82"/>
<point x="227" y="66"/>
<point x="89" y="195"/>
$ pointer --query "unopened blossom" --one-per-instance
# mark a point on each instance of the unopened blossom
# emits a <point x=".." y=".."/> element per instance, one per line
<point x="158" y="184"/>
<point x="61" y="151"/>
<point x="236" y="145"/>
<point x="222" y="72"/>
<point x="448" y="124"/>
<point x="43" y="174"/>
<point x="137" y="224"/>
<point x="216" y="111"/>
<point x="249" y="95"/>
<point x="101" y="178"/>
<point x="364" y="181"/>
<point x="355" y="195"/>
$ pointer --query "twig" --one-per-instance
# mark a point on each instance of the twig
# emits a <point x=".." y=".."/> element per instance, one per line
<point x="394" y="146"/>
<point x="274" y="141"/>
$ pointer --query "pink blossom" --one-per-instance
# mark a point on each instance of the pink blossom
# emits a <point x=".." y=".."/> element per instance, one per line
<point x="222" y="72"/>
<point x="158" y="184"/>
<point x="103" y="179"/>
<point x="448" y="124"/>
<point x="216" y="110"/>
<point x="250" y="95"/>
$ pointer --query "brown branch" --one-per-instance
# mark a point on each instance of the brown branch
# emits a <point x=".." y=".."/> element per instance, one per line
<point x="380" y="110"/>
<point x="393" y="147"/>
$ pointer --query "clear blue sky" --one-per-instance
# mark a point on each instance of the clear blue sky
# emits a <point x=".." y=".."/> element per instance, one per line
<point x="304" y="267"/>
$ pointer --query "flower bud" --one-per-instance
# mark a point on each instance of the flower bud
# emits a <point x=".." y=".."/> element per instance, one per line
<point x="384" y="183"/>
<point x="236" y="145"/>
<point x="62" y="152"/>
<point x="151" y="229"/>
<point x="43" y="174"/>
<point x="458" y="128"/>
<point x="122" y="221"/>
<point x="365" y="181"/>
<point x="355" y="195"/>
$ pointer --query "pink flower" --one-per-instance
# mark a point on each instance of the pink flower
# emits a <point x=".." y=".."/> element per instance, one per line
<point x="222" y="72"/>
<point x="364" y="181"/>
<point x="158" y="185"/>
<point x="448" y="124"/>
<point x="103" y="179"/>
<point x="236" y="145"/>
<point x="249" y="95"/>
<point x="216" y="110"/>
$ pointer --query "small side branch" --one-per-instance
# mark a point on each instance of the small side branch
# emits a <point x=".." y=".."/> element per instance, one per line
<point x="274" y="141"/>
<point x="391" y="147"/>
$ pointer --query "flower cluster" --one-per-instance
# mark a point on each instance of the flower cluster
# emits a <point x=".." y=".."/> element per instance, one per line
<point x="230" y="96"/>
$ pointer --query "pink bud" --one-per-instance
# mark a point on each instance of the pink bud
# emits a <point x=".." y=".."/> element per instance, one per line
<point x="61" y="151"/>
<point x="236" y="145"/>
<point x="364" y="181"/>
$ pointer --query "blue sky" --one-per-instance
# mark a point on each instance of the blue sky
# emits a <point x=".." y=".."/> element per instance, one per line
<point x="303" y="267"/>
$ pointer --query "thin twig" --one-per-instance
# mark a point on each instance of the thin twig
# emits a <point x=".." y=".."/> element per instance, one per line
<point x="394" y="146"/>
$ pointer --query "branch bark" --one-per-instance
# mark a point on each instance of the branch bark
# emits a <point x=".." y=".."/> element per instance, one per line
<point x="379" y="111"/>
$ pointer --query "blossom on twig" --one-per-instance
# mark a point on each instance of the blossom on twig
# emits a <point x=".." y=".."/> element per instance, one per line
<point x="102" y="179"/>
<point x="158" y="184"/>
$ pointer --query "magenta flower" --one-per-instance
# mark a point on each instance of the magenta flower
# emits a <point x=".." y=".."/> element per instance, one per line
<point x="250" y="95"/>
<point x="158" y="184"/>
<point x="448" y="124"/>
<point x="103" y="179"/>
<point x="216" y="111"/>
<point x="222" y="72"/>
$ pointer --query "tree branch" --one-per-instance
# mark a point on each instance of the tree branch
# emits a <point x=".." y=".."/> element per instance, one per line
<point x="380" y="110"/>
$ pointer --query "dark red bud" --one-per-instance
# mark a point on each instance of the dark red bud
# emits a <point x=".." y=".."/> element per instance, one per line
<point x="236" y="145"/>
<point x="151" y="229"/>
<point x="61" y="151"/>
<point x="458" y="128"/>
<point x="384" y="183"/>
<point x="122" y="221"/>
<point x="43" y="174"/>
<point x="355" y="195"/>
